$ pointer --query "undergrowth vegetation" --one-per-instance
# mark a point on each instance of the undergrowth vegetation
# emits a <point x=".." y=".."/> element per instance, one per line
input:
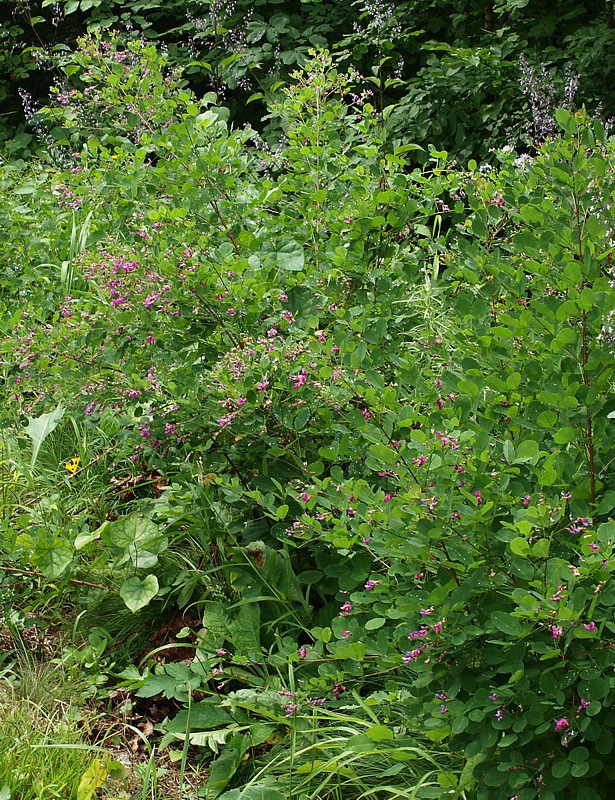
<point x="317" y="442"/>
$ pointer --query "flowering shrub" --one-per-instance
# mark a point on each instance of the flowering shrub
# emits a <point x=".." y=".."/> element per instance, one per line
<point x="381" y="399"/>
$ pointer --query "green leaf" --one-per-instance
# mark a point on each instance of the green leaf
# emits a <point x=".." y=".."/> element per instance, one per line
<point x="380" y="733"/>
<point x="565" y="435"/>
<point x="527" y="450"/>
<point x="253" y="793"/>
<point x="53" y="555"/>
<point x="226" y="765"/>
<point x="137" y="537"/>
<point x="520" y="546"/>
<point x="137" y="593"/>
<point x="374" y="623"/>
<point x="507" y="624"/>
<point x="39" y="428"/>
<point x="289" y="255"/>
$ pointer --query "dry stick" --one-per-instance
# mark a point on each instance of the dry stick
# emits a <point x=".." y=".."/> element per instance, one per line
<point x="34" y="573"/>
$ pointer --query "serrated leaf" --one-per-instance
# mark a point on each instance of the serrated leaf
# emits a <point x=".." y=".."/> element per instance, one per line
<point x="137" y="593"/>
<point x="39" y="428"/>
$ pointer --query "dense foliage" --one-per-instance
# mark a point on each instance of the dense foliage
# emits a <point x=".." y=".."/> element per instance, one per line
<point x="350" y="417"/>
<point x="465" y="76"/>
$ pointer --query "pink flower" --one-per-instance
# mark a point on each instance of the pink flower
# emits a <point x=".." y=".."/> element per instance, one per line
<point x="338" y="689"/>
<point x="411" y="655"/>
<point x="591" y="626"/>
<point x="478" y="497"/>
<point x="346" y="609"/>
<point x="302" y="652"/>
<point x="369" y="585"/>
<point x="526" y="500"/>
<point x="262" y="385"/>
<point x="556" y="631"/>
<point x="300" y="380"/>
<point x="346" y="635"/>
<point x="561" y="724"/>
<point x="335" y="350"/>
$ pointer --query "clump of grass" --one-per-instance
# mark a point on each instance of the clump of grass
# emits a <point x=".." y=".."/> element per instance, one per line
<point x="43" y="752"/>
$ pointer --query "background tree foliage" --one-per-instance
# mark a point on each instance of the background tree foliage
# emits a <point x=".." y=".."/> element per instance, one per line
<point x="448" y="71"/>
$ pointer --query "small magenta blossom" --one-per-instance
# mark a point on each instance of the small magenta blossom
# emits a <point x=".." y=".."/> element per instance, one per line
<point x="346" y="609"/>
<point x="369" y="585"/>
<point x="526" y="500"/>
<point x="302" y="652"/>
<point x="478" y="497"/>
<point x="412" y="655"/>
<point x="346" y="635"/>
<point x="300" y="379"/>
<point x="556" y="631"/>
<point x="338" y="689"/>
<point x="561" y="724"/>
<point x="591" y="626"/>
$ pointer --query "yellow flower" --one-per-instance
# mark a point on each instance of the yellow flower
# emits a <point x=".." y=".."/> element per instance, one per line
<point x="73" y="465"/>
